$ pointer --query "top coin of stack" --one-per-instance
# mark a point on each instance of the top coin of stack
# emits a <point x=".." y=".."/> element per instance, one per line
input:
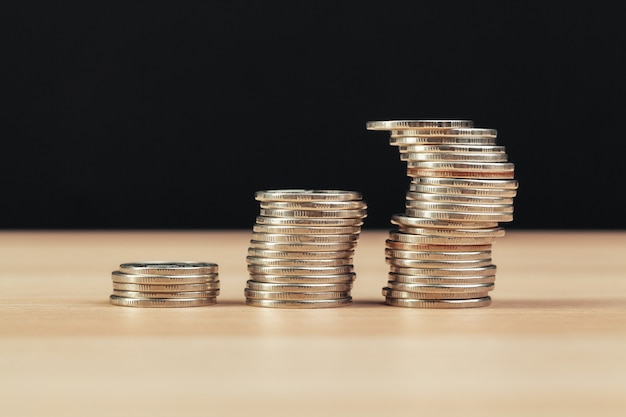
<point x="301" y="250"/>
<point x="165" y="284"/>
<point x="462" y="186"/>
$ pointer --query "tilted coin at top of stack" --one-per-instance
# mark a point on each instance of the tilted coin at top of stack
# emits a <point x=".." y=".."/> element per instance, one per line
<point x="165" y="284"/>
<point x="462" y="186"/>
<point x="301" y="249"/>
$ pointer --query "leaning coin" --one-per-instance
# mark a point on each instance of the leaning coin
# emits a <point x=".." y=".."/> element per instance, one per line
<point x="418" y="124"/>
<point x="419" y="263"/>
<point x="282" y="295"/>
<point x="463" y="166"/>
<point x="307" y="230"/>
<point x="303" y="238"/>
<point x="307" y="263"/>
<point x="314" y="205"/>
<point x="307" y="195"/>
<point x="499" y="184"/>
<point x="169" y="268"/>
<point x="284" y="270"/>
<point x="445" y="272"/>
<point x="451" y="148"/>
<point x="207" y="286"/>
<point x="472" y="233"/>
<point x="405" y="282"/>
<point x="303" y="247"/>
<point x="401" y="140"/>
<point x="310" y="221"/>
<point x="282" y="254"/>
<point x="389" y="292"/>
<point x="340" y="302"/>
<point x="416" y="303"/>
<point x="477" y="174"/>
<point x="465" y="207"/>
<point x="462" y="191"/>
<point x="404" y="220"/>
<point x="167" y="295"/>
<point x="305" y="279"/>
<point x="399" y="236"/>
<point x="125" y="278"/>
<point x="162" y="302"/>
<point x="437" y="256"/>
<point x="332" y="214"/>
<point x="460" y="216"/>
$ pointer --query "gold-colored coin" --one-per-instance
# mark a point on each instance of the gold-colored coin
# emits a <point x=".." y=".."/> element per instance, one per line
<point x="309" y="221"/>
<point x="307" y="195"/>
<point x="452" y="198"/>
<point x="453" y="148"/>
<point x="450" y="156"/>
<point x="307" y="214"/>
<point x="401" y="140"/>
<point x="313" y="205"/>
<point x="307" y="230"/>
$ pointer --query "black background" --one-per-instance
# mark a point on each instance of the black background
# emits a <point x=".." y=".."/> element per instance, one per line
<point x="170" y="115"/>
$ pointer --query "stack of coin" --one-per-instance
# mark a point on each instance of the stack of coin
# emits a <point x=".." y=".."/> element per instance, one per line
<point x="462" y="186"/>
<point x="165" y="284"/>
<point x="302" y="247"/>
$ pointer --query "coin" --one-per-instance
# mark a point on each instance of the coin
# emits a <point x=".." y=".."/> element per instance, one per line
<point x="471" y="233"/>
<point x="440" y="288"/>
<point x="452" y="148"/>
<point x="420" y="263"/>
<point x="340" y="302"/>
<point x="169" y="268"/>
<point x="399" y="236"/>
<point x="303" y="238"/>
<point x="500" y="184"/>
<point x="207" y="286"/>
<point x="167" y="295"/>
<point x="451" y="198"/>
<point x="458" y="157"/>
<point x="417" y="303"/>
<point x="269" y="286"/>
<point x="284" y="295"/>
<point x="126" y="278"/>
<point x="308" y="214"/>
<point x="313" y="205"/>
<point x="304" y="279"/>
<point x="257" y="260"/>
<point x="410" y="221"/>
<point x="294" y="270"/>
<point x="162" y="302"/>
<point x="418" y="247"/>
<point x="303" y="247"/>
<point x="401" y="140"/>
<point x="437" y="256"/>
<point x="389" y="292"/>
<point x="304" y="255"/>
<point x="461" y="216"/>
<point x="418" y="124"/>
<point x="307" y="230"/>
<point x="308" y="221"/>
<point x="445" y="272"/>
<point x="404" y="282"/>
<point x="462" y="191"/>
<point x="307" y="195"/>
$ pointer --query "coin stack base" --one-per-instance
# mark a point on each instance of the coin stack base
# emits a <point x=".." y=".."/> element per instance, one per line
<point x="302" y="246"/>
<point x="462" y="187"/>
<point x="163" y="284"/>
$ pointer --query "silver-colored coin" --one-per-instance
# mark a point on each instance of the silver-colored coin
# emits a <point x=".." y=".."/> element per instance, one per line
<point x="313" y="205"/>
<point x="411" y="140"/>
<point x="282" y="295"/>
<point x="307" y="195"/>
<point x="302" y="238"/>
<point x="430" y="255"/>
<point x="307" y="230"/>
<point x="169" y="267"/>
<point x="305" y="279"/>
<point x="406" y="282"/>
<point x="450" y="156"/>
<point x="303" y="247"/>
<point x="308" y="222"/>
<point x="445" y="272"/>
<point x="498" y="184"/>
<point x="452" y="198"/>
<point x="162" y="302"/>
<point x="420" y="263"/>
<point x="429" y="124"/>
<point x="304" y="255"/>
<point x="475" y="175"/>
<point x="399" y="236"/>
<point x="297" y="262"/>
<point x="323" y="214"/>
<point x="462" y="191"/>
<point x="388" y="292"/>
<point x="404" y="220"/>
<point x="167" y="295"/>
<point x="294" y="270"/>
<point x="125" y="278"/>
<point x="340" y="302"/>
<point x="461" y="216"/>
<point x="441" y="288"/>
<point x="416" y="303"/>
<point x="471" y="233"/>
<point x="207" y="286"/>
<point x="420" y="247"/>
<point x="271" y="286"/>
<point x="450" y="148"/>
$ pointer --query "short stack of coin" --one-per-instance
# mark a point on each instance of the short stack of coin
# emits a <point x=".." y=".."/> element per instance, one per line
<point x="165" y="284"/>
<point x="302" y="247"/>
<point x="462" y="186"/>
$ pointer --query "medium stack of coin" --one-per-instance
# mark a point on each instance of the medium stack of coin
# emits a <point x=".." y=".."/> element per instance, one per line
<point x="165" y="284"/>
<point x="462" y="186"/>
<point x="302" y="247"/>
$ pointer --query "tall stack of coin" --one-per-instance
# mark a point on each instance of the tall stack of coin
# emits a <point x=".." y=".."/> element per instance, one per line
<point x="302" y="247"/>
<point x="462" y="186"/>
<point x="165" y="284"/>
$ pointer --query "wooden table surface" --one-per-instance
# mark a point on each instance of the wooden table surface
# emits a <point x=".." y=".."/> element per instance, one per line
<point x="553" y="342"/>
